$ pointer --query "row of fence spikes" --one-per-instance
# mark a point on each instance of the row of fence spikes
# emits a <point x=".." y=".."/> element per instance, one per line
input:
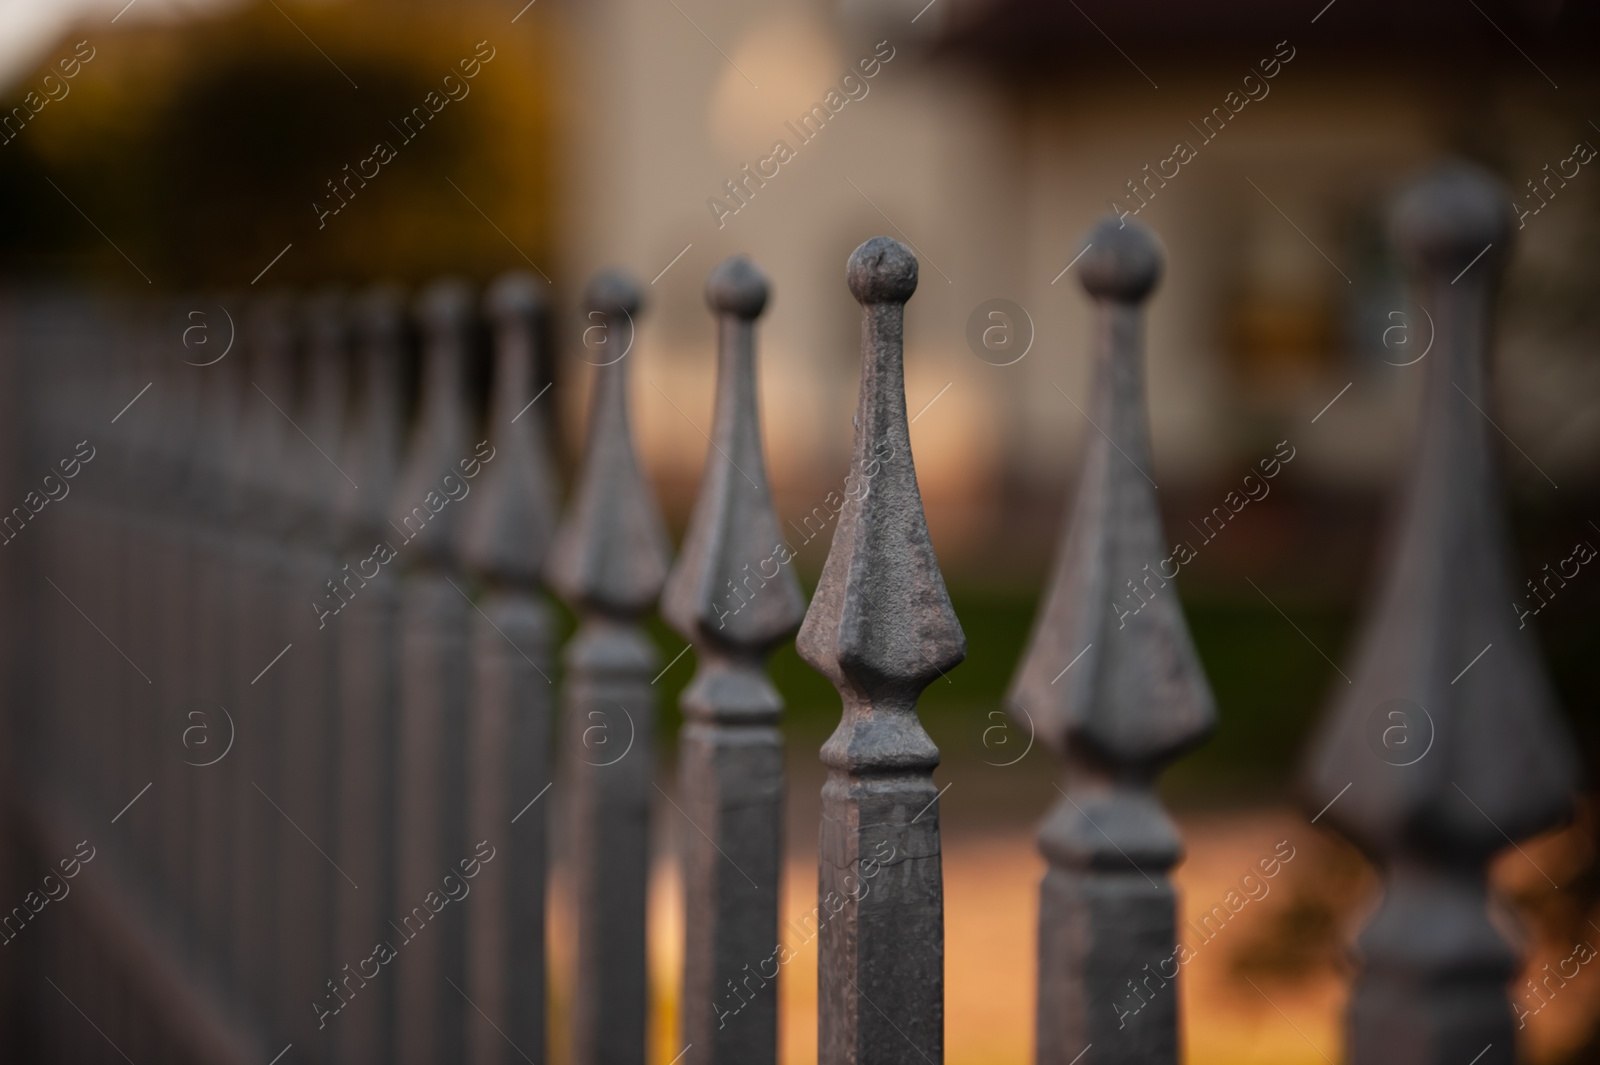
<point x="214" y="495"/>
<point x="1392" y="764"/>
<point x="1115" y="703"/>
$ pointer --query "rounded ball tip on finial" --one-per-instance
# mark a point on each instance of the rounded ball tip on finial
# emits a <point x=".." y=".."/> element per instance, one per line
<point x="1121" y="261"/>
<point x="1452" y="215"/>
<point x="613" y="292"/>
<point x="514" y="295"/>
<point x="882" y="271"/>
<point x="737" y="287"/>
<point x="445" y="304"/>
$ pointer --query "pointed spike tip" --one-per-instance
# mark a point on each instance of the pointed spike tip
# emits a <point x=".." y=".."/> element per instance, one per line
<point x="446" y="304"/>
<point x="514" y="296"/>
<point x="613" y="292"/>
<point x="1121" y="261"/>
<point x="737" y="287"/>
<point x="882" y="271"/>
<point x="1450" y="215"/>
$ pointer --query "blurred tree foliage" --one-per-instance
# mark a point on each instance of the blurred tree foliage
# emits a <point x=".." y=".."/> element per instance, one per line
<point x="199" y="148"/>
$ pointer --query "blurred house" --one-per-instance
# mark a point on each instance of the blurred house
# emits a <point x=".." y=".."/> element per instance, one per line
<point x="992" y="140"/>
<point x="1259" y="141"/>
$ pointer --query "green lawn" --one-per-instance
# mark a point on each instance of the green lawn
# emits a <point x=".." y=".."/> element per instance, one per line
<point x="1271" y="685"/>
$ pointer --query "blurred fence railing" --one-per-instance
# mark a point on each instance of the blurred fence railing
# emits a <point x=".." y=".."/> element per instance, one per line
<point x="282" y="680"/>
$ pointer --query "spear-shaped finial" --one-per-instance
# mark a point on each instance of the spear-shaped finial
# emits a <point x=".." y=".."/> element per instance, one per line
<point x="369" y="661"/>
<point x="435" y="673"/>
<point x="734" y="596"/>
<point x="423" y="509"/>
<point x="1448" y="743"/>
<point x="326" y="387"/>
<point x="611" y="553"/>
<point x="512" y="518"/>
<point x="269" y="337"/>
<point x="720" y="595"/>
<point x="881" y="628"/>
<point x="373" y="447"/>
<point x="609" y="560"/>
<point x="1111" y="683"/>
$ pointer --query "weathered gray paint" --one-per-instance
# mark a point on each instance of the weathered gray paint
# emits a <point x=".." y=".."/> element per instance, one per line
<point x="202" y="888"/>
<point x="881" y="628"/>
<point x="239" y="648"/>
<point x="369" y="690"/>
<point x="732" y="594"/>
<point x="435" y="675"/>
<point x="310" y="885"/>
<point x="1475" y="758"/>
<point x="1115" y="690"/>
<point x="212" y="657"/>
<point x="169" y="614"/>
<point x="265" y="524"/>
<point x="509" y="523"/>
<point x="608" y="561"/>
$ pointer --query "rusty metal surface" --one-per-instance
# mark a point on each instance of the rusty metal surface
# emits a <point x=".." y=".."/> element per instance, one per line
<point x="609" y="561"/>
<point x="1447" y="745"/>
<point x="506" y="533"/>
<point x="880" y="628"/>
<point x="1116" y="692"/>
<point x="324" y="697"/>
<point x="722" y="598"/>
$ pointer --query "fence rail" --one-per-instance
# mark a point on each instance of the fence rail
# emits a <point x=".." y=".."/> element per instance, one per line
<point x="285" y="693"/>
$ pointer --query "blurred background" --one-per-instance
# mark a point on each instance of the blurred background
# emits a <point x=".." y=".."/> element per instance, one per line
<point x="209" y="145"/>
